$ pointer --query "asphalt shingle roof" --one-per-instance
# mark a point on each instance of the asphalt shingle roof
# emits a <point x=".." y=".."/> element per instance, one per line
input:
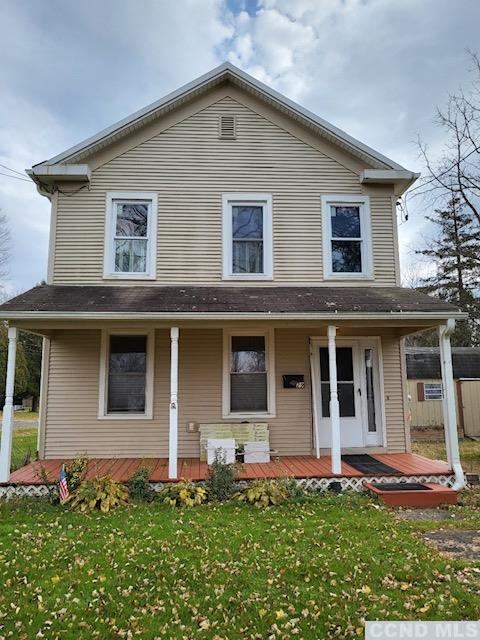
<point x="156" y="299"/>
<point x="424" y="362"/>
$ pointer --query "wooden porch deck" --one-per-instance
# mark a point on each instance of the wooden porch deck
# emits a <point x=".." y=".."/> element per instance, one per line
<point x="121" y="469"/>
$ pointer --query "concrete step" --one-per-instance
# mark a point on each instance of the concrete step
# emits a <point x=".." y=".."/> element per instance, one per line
<point x="408" y="494"/>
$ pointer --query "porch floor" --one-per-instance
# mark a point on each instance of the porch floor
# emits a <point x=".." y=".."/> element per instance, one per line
<point x="121" y="469"/>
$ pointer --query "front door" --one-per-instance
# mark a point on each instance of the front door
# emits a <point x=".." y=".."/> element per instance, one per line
<point x="358" y="393"/>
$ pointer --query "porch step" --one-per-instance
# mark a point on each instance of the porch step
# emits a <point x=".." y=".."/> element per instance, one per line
<point x="409" y="494"/>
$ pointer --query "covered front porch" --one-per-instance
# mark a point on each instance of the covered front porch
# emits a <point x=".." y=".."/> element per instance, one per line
<point x="138" y="386"/>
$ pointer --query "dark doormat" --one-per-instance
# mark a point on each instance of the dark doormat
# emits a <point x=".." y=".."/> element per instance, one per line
<point x="368" y="465"/>
<point x="401" y="486"/>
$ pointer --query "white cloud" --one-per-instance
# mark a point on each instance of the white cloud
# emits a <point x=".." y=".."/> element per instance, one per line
<point x="243" y="49"/>
<point x="376" y="68"/>
<point x="271" y="47"/>
<point x="71" y="70"/>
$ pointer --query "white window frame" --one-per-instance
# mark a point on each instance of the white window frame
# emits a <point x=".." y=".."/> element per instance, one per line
<point x="258" y="199"/>
<point x="430" y="387"/>
<point x="110" y="227"/>
<point x="363" y="202"/>
<point x="269" y="335"/>
<point x="103" y="377"/>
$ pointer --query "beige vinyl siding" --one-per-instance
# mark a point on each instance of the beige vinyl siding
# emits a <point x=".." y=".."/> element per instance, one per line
<point x="394" y="398"/>
<point x="199" y="384"/>
<point x="190" y="168"/>
<point x="292" y="429"/>
<point x="200" y="389"/>
<point x="72" y="425"/>
<point x="383" y="240"/>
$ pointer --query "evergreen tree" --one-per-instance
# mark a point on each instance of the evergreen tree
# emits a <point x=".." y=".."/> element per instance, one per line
<point x="32" y="348"/>
<point x="456" y="253"/>
<point x="28" y="365"/>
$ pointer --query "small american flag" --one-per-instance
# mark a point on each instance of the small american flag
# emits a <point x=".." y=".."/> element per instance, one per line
<point x="62" y="485"/>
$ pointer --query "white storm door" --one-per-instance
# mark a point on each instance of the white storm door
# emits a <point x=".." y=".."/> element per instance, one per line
<point x="371" y="393"/>
<point x="349" y="395"/>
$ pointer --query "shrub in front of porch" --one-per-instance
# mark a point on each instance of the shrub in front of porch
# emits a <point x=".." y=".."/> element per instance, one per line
<point x="183" y="494"/>
<point x="101" y="494"/>
<point x="266" y="493"/>
<point x="139" y="486"/>
<point x="221" y="483"/>
<point x="75" y="471"/>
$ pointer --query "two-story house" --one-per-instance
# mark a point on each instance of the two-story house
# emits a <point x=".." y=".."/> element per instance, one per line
<point x="225" y="256"/>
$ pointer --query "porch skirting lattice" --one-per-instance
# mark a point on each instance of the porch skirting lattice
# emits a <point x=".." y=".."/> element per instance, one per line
<point x="309" y="484"/>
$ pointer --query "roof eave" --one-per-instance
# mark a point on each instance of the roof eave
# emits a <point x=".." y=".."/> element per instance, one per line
<point x="209" y="315"/>
<point x="402" y="179"/>
<point x="54" y="173"/>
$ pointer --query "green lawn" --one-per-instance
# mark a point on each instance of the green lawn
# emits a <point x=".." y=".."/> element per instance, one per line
<point x="24" y="415"/>
<point x="316" y="568"/>
<point x="24" y="441"/>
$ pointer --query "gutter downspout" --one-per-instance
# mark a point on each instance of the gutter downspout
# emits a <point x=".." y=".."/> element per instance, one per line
<point x="449" y="408"/>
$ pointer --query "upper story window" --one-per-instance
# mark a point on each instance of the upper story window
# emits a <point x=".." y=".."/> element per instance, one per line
<point x="346" y="237"/>
<point x="130" y="235"/>
<point x="247" y="236"/>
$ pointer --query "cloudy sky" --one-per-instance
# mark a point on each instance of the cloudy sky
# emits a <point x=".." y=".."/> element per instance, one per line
<point x="375" y="68"/>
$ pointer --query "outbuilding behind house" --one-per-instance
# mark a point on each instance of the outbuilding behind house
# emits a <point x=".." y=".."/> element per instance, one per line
<point x="426" y="394"/>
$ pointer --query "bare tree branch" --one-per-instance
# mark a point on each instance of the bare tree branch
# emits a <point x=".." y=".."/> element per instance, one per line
<point x="457" y="172"/>
<point x="5" y="247"/>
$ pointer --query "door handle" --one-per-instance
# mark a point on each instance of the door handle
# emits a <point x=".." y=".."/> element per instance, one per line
<point x="359" y="391"/>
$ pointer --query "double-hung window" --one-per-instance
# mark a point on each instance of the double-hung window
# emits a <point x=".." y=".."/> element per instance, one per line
<point x="248" y="374"/>
<point x="126" y="367"/>
<point x="247" y="236"/>
<point x="346" y="237"/>
<point x="130" y="235"/>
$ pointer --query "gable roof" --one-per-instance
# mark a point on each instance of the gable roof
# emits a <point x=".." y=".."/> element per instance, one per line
<point x="222" y="73"/>
<point x="424" y="362"/>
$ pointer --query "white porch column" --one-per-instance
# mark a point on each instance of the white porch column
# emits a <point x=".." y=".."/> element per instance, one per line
<point x="173" y="431"/>
<point x="449" y="409"/>
<point x="7" y="423"/>
<point x="334" y="405"/>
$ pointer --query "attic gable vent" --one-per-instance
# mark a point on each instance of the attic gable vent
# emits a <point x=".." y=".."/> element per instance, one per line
<point x="227" y="127"/>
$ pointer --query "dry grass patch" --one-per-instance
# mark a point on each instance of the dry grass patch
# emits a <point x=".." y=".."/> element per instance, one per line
<point x="469" y="453"/>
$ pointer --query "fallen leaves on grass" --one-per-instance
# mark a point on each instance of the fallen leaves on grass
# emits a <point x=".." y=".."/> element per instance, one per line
<point x="315" y="568"/>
